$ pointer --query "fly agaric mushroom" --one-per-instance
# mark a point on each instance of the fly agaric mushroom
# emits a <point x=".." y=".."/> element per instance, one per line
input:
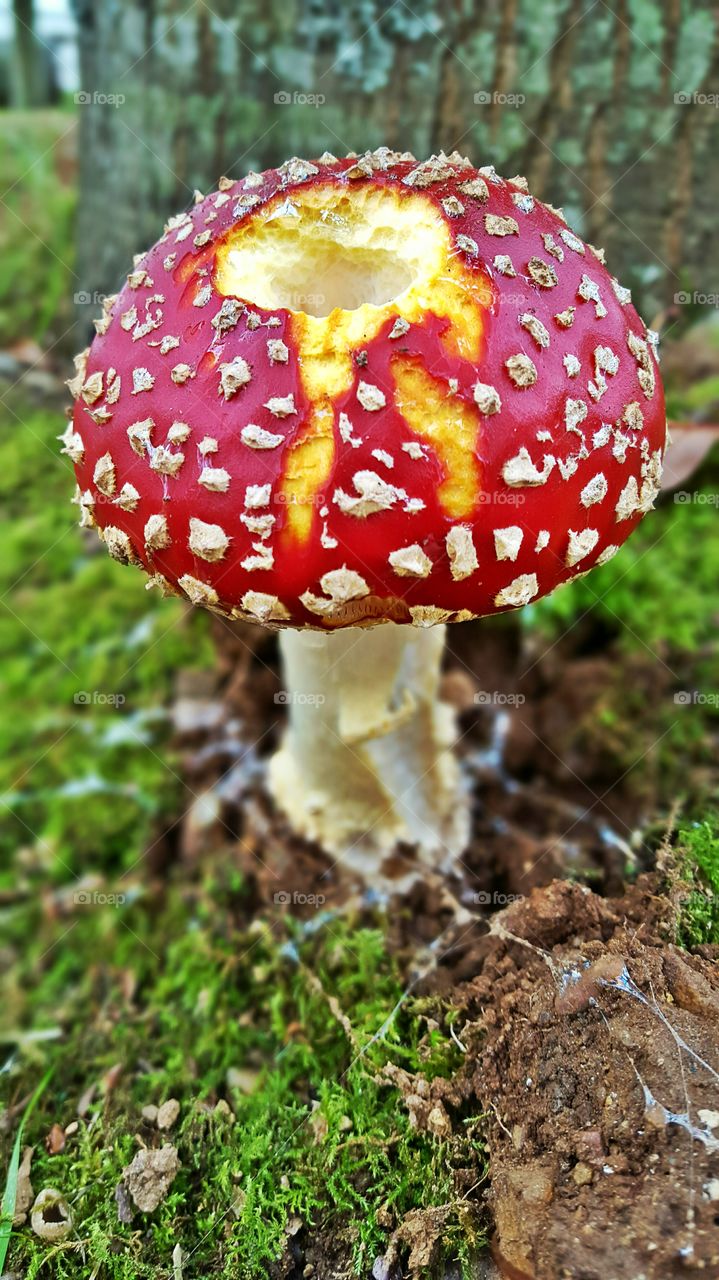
<point x="367" y="391"/>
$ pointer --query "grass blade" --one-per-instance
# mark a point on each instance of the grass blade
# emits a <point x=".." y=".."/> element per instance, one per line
<point x="7" y="1210"/>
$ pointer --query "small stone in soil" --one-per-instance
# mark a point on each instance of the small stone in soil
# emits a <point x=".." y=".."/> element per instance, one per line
<point x="125" y="1211"/>
<point x="150" y="1175"/>
<point x="168" y="1113"/>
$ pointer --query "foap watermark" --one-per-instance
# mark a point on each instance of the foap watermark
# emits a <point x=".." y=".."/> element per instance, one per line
<point x="696" y="698"/>
<point x="688" y="897"/>
<point x="696" y="99"/>
<point x="300" y="500"/>
<point x="517" y="300"/>
<point x="95" y="898"/>
<point x="485" y="898"/>
<point x="292" y="898"/>
<point x="292" y="698"/>
<point x="285" y="98"/>
<point x="502" y="499"/>
<point x="485" y="98"/>
<point x="684" y="497"/>
<point x="310" y="302"/>
<point x="695" y="298"/>
<point x="496" y="698"/>
<point x="100" y="499"/>
<point x="85" y="99"/>
<point x="83" y="298"/>
<point x="98" y="698"/>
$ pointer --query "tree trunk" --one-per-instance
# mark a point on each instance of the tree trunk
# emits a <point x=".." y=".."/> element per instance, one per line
<point x="177" y="93"/>
<point x="28" y="81"/>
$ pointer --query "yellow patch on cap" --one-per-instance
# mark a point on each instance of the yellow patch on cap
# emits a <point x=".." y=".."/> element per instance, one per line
<point x="344" y="263"/>
<point x="449" y="425"/>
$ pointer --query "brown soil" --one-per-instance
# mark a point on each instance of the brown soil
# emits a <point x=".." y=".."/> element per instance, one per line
<point x="592" y="1043"/>
<point x="590" y="1039"/>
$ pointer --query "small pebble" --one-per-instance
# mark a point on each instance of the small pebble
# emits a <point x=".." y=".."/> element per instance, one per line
<point x="125" y="1211"/>
<point x="242" y="1078"/>
<point x="150" y="1175"/>
<point x="168" y="1113"/>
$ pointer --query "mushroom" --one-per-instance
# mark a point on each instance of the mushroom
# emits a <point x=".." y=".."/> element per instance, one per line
<point x="355" y="420"/>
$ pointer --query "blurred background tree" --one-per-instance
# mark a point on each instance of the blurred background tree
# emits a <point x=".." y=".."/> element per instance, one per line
<point x="610" y="110"/>
<point x="27" y="88"/>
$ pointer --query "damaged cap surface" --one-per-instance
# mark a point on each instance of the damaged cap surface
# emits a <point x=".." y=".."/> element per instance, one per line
<point x="409" y="375"/>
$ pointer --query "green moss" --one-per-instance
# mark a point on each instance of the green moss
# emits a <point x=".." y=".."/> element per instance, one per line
<point x="37" y="161"/>
<point x="289" y="1024"/>
<point x="700" y="394"/>
<point x="88" y="661"/>
<point x="183" y="993"/>
<point x="660" y="591"/>
<point x="698" y="857"/>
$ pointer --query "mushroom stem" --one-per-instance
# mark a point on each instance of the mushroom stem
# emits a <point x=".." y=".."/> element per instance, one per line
<point x="366" y="762"/>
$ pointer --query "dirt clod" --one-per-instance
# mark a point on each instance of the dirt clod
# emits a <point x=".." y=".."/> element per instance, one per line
<point x="150" y="1175"/>
<point x="595" y="1049"/>
<point x="167" y="1114"/>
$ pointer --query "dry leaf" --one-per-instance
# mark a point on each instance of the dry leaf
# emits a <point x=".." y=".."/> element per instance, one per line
<point x="688" y="449"/>
<point x="55" y="1140"/>
<point x="24" y="1194"/>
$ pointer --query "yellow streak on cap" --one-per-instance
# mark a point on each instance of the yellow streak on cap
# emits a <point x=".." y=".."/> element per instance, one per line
<point x="449" y="425"/>
<point x="327" y="249"/>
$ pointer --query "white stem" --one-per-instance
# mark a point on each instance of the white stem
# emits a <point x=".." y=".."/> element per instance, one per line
<point x="366" y="761"/>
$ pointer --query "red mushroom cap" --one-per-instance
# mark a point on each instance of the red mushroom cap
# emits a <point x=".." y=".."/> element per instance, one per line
<point x="357" y="389"/>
